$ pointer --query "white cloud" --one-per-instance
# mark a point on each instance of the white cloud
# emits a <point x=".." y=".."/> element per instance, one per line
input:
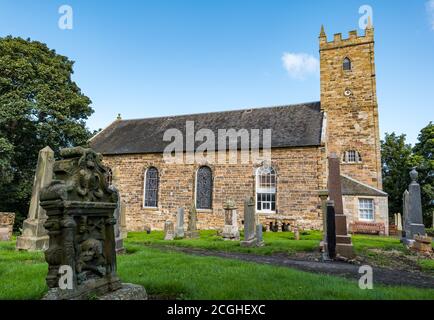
<point x="300" y="65"/>
<point x="430" y="10"/>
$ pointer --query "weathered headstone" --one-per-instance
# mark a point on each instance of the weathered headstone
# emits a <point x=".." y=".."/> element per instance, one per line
<point x="344" y="246"/>
<point x="119" y="214"/>
<point x="230" y="229"/>
<point x="259" y="236"/>
<point x="34" y="236"/>
<point x="249" y="223"/>
<point x="179" y="232"/>
<point x="399" y="225"/>
<point x="7" y="220"/>
<point x="296" y="234"/>
<point x="192" y="223"/>
<point x="80" y="209"/>
<point x="413" y="211"/>
<point x="169" y="230"/>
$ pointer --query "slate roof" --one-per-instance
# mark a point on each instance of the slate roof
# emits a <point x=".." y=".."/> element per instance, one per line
<point x="292" y="126"/>
<point x="352" y="187"/>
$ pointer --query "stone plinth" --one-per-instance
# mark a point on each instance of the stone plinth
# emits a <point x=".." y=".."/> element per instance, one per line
<point x="230" y="229"/>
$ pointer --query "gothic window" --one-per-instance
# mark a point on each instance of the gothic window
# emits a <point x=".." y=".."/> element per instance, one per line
<point x="366" y="209"/>
<point x="151" y="188"/>
<point x="352" y="156"/>
<point x="347" y="64"/>
<point x="266" y="189"/>
<point x="109" y="177"/>
<point x="204" y="188"/>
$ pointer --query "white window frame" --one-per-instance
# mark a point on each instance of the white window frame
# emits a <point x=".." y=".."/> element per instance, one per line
<point x="366" y="209"/>
<point x="357" y="157"/>
<point x="270" y="191"/>
<point x="144" y="188"/>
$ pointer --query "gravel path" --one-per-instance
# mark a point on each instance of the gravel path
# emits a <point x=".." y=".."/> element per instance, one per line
<point x="342" y="269"/>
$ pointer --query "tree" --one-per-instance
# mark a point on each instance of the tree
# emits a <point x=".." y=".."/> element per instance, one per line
<point x="424" y="160"/>
<point x="40" y="105"/>
<point x="395" y="158"/>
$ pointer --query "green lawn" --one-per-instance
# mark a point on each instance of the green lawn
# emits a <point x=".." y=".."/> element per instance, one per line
<point x="177" y="275"/>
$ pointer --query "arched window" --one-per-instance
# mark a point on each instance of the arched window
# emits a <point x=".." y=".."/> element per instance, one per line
<point x="151" y="188"/>
<point x="347" y="64"/>
<point x="109" y="177"/>
<point x="352" y="156"/>
<point x="204" y="187"/>
<point x="266" y="189"/>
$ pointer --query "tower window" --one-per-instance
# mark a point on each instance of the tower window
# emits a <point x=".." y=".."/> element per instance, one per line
<point x="347" y="64"/>
<point x="352" y="156"/>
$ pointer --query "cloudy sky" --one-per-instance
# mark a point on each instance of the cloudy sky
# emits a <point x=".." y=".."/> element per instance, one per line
<point x="155" y="58"/>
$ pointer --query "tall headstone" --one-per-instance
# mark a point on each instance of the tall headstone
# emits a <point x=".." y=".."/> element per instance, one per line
<point x="230" y="229"/>
<point x="80" y="223"/>
<point x="192" y="223"/>
<point x="119" y="214"/>
<point x="259" y="235"/>
<point x="344" y="246"/>
<point x="169" y="230"/>
<point x="331" y="231"/>
<point x="34" y="236"/>
<point x="249" y="223"/>
<point x="413" y="209"/>
<point x="399" y="224"/>
<point x="7" y="220"/>
<point x="179" y="231"/>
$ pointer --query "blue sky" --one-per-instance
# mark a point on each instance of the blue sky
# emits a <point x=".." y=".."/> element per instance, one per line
<point x="155" y="58"/>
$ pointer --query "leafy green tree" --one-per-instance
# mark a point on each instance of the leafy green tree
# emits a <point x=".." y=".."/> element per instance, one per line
<point x="40" y="105"/>
<point x="395" y="157"/>
<point x="424" y="160"/>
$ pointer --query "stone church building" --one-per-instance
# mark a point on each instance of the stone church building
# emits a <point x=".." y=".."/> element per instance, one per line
<point x="287" y="188"/>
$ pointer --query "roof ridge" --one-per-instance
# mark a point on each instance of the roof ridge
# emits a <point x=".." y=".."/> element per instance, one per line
<point x="225" y="111"/>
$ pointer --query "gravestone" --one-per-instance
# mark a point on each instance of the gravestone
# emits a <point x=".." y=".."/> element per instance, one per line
<point x="34" y="236"/>
<point x="249" y="224"/>
<point x="80" y="223"/>
<point x="259" y="236"/>
<point x="330" y="245"/>
<point x="7" y="220"/>
<point x="413" y="219"/>
<point x="230" y="229"/>
<point x="344" y="246"/>
<point x="120" y="226"/>
<point x="169" y="230"/>
<point x="192" y="223"/>
<point x="399" y="225"/>
<point x="179" y="232"/>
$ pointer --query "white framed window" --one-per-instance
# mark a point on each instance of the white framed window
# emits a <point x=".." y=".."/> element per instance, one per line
<point x="352" y="156"/>
<point x="266" y="190"/>
<point x="366" y="209"/>
<point x="150" y="190"/>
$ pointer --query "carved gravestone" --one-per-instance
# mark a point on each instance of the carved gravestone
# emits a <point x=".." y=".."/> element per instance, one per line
<point x="7" y="220"/>
<point x="249" y="223"/>
<point x="192" y="223"/>
<point x="230" y="229"/>
<point x="169" y="230"/>
<point x="119" y="241"/>
<point x="259" y="235"/>
<point x="34" y="236"/>
<point x="179" y="232"/>
<point x="80" y="209"/>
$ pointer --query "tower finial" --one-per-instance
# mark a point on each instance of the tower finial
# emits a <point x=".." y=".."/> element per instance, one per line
<point x="119" y="117"/>
<point x="369" y="25"/>
<point x="322" y="33"/>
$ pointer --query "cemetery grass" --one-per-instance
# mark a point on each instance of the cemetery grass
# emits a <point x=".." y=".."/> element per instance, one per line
<point x="172" y="275"/>
<point x="380" y="251"/>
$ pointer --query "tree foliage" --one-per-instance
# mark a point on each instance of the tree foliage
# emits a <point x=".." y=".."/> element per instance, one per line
<point x="40" y="105"/>
<point x="397" y="160"/>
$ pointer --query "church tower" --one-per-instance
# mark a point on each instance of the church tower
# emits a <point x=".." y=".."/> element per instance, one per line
<point x="349" y="103"/>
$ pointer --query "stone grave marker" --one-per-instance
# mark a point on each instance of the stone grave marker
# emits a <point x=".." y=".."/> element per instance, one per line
<point x="80" y="222"/>
<point x="249" y="223"/>
<point x="7" y="220"/>
<point x="34" y="236"/>
<point x="169" y="230"/>
<point x="179" y="232"/>
<point x="230" y="229"/>
<point x="192" y="223"/>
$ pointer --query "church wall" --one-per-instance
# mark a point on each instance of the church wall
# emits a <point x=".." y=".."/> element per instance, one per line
<point x="299" y="177"/>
